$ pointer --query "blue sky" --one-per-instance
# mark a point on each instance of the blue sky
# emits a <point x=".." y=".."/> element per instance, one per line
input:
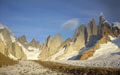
<point x="40" y="18"/>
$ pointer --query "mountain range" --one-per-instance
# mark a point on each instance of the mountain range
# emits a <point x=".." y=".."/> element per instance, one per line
<point x="88" y="42"/>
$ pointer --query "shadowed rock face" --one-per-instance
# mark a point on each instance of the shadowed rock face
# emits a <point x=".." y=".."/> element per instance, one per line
<point x="100" y="26"/>
<point x="92" y="31"/>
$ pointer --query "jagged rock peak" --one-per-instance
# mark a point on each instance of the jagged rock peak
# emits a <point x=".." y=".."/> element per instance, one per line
<point x="22" y="39"/>
<point x="58" y="36"/>
<point x="80" y="30"/>
<point x="80" y="37"/>
<point x="34" y="43"/>
<point x="49" y="37"/>
<point x="91" y="29"/>
<point x="100" y="25"/>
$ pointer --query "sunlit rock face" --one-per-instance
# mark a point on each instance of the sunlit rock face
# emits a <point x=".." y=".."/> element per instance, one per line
<point x="80" y="37"/>
<point x="6" y="35"/>
<point x="2" y="48"/>
<point x="17" y="51"/>
<point x="51" y="46"/>
<point x="9" y="45"/>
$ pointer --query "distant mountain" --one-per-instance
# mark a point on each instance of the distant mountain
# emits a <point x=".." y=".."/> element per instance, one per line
<point x="85" y="44"/>
<point x="87" y="40"/>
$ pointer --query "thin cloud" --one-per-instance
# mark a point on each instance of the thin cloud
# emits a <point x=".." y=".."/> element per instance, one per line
<point x="70" y="24"/>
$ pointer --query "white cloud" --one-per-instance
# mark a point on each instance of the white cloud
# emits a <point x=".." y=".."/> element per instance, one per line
<point x="70" y="24"/>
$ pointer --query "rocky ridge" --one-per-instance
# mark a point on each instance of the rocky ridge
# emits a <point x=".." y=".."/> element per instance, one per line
<point x="84" y="37"/>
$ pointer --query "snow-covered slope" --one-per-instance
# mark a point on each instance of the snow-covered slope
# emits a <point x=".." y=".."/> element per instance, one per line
<point x="108" y="55"/>
<point x="31" y="55"/>
<point x="108" y="49"/>
<point x="69" y="56"/>
<point x="60" y="52"/>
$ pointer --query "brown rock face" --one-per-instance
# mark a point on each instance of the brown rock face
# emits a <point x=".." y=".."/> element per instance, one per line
<point x="80" y="37"/>
<point x="5" y="40"/>
<point x="107" y="30"/>
<point x="6" y="35"/>
<point x="16" y="51"/>
<point x="51" y="46"/>
<point x="2" y="47"/>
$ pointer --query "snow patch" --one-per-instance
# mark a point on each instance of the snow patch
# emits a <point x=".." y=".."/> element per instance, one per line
<point x="31" y="55"/>
<point x="112" y="38"/>
<point x="60" y="52"/>
<point x="70" y="55"/>
<point x="33" y="48"/>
